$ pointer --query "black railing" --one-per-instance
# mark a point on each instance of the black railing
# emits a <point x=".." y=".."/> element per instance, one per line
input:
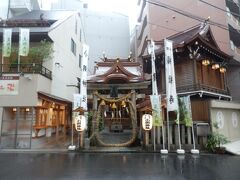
<point x="26" y="69"/>
<point x="202" y="87"/>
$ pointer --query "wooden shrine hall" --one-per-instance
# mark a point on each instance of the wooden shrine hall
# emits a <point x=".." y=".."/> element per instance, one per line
<point x="200" y="68"/>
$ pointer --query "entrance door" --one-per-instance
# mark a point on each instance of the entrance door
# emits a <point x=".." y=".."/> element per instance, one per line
<point x="16" y="131"/>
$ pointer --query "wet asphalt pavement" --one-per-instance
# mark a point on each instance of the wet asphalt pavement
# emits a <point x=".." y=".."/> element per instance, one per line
<point x="145" y="166"/>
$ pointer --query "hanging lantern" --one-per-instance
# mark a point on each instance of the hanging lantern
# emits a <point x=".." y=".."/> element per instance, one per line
<point x="205" y="62"/>
<point x="102" y="103"/>
<point x="147" y="122"/>
<point x="80" y="123"/>
<point x="222" y="69"/>
<point x="215" y="66"/>
<point x="123" y="104"/>
<point x="114" y="106"/>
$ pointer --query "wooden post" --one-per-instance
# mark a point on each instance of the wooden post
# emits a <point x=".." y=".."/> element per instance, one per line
<point x="170" y="135"/>
<point x="146" y="138"/>
<point x="81" y="139"/>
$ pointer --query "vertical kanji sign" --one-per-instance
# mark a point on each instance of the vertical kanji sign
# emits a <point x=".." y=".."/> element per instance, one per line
<point x="172" y="101"/>
<point x="83" y="83"/>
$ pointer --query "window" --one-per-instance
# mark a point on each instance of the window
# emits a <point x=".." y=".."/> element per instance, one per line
<point x="80" y="61"/>
<point x="73" y="46"/>
<point x="80" y="35"/>
<point x="76" y="24"/>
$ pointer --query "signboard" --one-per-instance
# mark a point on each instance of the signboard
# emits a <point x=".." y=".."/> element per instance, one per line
<point x="83" y="83"/>
<point x="147" y="122"/>
<point x="9" y="85"/>
<point x="80" y="123"/>
<point x="172" y="101"/>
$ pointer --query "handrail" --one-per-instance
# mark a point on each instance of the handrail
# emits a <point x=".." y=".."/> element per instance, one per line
<point x="32" y="68"/>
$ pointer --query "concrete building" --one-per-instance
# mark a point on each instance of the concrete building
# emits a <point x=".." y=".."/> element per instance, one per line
<point x="159" y="20"/>
<point x="104" y="31"/>
<point x="41" y="101"/>
<point x="10" y="8"/>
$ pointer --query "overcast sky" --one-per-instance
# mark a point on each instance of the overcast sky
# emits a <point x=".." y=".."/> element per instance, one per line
<point x="126" y="7"/>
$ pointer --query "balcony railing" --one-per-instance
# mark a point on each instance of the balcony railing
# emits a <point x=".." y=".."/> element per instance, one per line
<point x="26" y="68"/>
<point x="202" y="87"/>
<point x="195" y="88"/>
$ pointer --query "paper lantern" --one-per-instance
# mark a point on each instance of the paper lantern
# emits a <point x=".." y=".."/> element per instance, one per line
<point x="147" y="122"/>
<point x="80" y="123"/>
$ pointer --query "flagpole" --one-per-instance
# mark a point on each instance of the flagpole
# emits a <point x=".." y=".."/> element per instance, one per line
<point x="168" y="128"/>
<point x="179" y="138"/>
<point x="2" y="62"/>
<point x="194" y="147"/>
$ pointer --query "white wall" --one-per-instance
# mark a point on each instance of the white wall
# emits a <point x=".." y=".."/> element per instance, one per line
<point x="68" y="69"/>
<point x="227" y="114"/>
<point x="3" y="9"/>
<point x="107" y="32"/>
<point x="27" y="95"/>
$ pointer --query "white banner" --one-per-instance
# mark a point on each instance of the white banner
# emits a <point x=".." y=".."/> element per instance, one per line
<point x="7" y="42"/>
<point x="151" y="47"/>
<point x="76" y="101"/>
<point x="84" y="68"/>
<point x="23" y="42"/>
<point x="9" y="85"/>
<point x="172" y="101"/>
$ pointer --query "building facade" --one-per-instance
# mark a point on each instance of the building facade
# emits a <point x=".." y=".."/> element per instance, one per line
<point x="105" y="32"/>
<point x="11" y="8"/>
<point x="159" y="20"/>
<point x="43" y="86"/>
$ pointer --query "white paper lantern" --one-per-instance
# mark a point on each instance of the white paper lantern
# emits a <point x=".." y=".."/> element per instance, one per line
<point x="80" y="123"/>
<point x="147" y="122"/>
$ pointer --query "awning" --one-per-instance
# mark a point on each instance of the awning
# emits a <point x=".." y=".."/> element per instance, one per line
<point x="56" y="99"/>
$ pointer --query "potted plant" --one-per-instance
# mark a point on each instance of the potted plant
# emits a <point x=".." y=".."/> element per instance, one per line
<point x="215" y="140"/>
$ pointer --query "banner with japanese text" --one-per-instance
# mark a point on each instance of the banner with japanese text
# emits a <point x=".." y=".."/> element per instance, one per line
<point x="7" y="42"/>
<point x="185" y="110"/>
<point x="9" y="85"/>
<point x="172" y="101"/>
<point x="83" y="83"/>
<point x="23" y="42"/>
<point x="156" y="110"/>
